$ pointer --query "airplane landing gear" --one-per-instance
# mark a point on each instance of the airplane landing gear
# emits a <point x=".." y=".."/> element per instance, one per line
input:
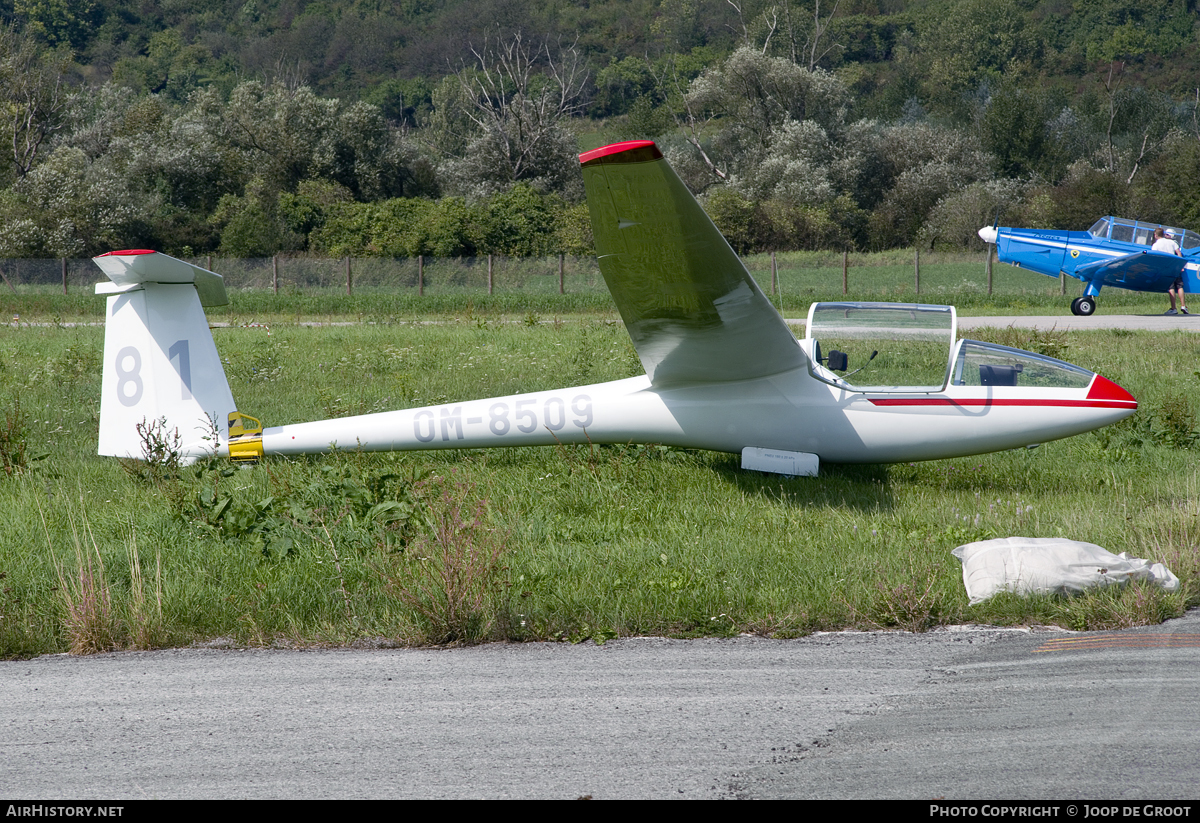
<point x="1083" y="306"/>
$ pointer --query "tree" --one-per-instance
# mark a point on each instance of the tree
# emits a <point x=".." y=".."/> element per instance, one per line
<point x="793" y="169"/>
<point x="59" y="22"/>
<point x="971" y="43"/>
<point x="1167" y="191"/>
<point x="69" y="206"/>
<point x="1136" y="122"/>
<point x="745" y="101"/>
<point x="1021" y="127"/>
<point x="251" y="225"/>
<point x="954" y="222"/>
<point x="520" y="222"/>
<point x="516" y="101"/>
<point x="33" y="92"/>
<point x="905" y="170"/>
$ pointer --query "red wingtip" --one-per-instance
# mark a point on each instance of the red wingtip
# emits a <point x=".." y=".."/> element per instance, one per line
<point x="1105" y="389"/>
<point x="631" y="151"/>
<point x="127" y="253"/>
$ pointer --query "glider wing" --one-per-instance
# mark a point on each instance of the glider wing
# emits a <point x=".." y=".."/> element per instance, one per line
<point x="692" y="309"/>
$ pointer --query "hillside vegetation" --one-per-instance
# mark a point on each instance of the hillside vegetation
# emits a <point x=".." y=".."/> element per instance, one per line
<point x="451" y="128"/>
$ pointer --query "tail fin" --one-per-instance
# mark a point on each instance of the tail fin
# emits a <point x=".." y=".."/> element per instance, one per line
<point x="160" y="362"/>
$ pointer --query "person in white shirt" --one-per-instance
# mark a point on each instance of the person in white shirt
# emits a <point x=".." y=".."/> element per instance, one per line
<point x="1166" y="244"/>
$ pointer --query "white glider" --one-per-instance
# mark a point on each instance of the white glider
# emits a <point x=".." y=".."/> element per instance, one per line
<point x="723" y="371"/>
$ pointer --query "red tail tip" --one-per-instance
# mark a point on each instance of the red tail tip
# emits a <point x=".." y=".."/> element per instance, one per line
<point x="631" y="151"/>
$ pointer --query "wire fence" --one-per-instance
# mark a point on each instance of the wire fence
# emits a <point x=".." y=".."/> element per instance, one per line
<point x="898" y="273"/>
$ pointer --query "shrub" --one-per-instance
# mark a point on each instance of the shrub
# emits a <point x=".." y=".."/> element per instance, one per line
<point x="14" y="436"/>
<point x="1177" y="422"/>
<point x="451" y="575"/>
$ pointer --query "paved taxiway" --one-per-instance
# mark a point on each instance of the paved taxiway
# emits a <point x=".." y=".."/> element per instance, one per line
<point x="1133" y="322"/>
<point x="954" y="713"/>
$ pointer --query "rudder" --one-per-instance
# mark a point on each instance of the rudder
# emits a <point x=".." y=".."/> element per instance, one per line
<point x="160" y="362"/>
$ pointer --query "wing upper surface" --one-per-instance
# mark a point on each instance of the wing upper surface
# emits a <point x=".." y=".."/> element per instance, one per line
<point x="1146" y="271"/>
<point x="692" y="309"/>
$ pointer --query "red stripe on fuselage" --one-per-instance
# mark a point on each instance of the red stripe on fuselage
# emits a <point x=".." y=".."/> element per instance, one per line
<point x="991" y="401"/>
<point x="1102" y="394"/>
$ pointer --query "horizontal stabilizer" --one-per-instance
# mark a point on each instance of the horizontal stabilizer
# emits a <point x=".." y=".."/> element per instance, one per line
<point x="129" y="269"/>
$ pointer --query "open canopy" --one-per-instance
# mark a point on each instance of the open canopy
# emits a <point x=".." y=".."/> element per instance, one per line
<point x="898" y="347"/>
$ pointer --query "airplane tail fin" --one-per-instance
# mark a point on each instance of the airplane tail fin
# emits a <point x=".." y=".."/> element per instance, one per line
<point x="162" y="375"/>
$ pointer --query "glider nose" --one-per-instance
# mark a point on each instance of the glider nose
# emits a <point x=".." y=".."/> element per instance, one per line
<point x="1108" y="393"/>
<point x="988" y="234"/>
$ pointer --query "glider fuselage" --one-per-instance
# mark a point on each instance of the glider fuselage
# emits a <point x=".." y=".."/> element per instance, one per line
<point x="789" y="412"/>
<point x="723" y="369"/>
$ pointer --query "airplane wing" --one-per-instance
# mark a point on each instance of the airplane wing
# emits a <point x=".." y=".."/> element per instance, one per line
<point x="693" y="311"/>
<point x="1141" y="271"/>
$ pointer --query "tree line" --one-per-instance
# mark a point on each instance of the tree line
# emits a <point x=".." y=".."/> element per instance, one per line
<point x="800" y="126"/>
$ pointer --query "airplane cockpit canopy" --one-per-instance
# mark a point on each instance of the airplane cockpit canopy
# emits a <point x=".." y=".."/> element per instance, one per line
<point x="884" y="346"/>
<point x="989" y="364"/>
<point x="1140" y="232"/>
<point x="903" y="347"/>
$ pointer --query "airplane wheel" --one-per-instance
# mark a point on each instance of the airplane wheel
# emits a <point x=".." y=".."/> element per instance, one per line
<point x="1083" y="306"/>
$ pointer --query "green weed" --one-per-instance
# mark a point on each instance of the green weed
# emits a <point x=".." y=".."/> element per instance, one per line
<point x="452" y="574"/>
<point x="1176" y="420"/>
<point x="15" y="452"/>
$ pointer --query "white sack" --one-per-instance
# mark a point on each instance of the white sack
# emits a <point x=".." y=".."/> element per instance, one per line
<point x="1049" y="565"/>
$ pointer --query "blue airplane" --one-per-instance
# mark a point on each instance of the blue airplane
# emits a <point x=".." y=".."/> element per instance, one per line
<point x="1113" y="252"/>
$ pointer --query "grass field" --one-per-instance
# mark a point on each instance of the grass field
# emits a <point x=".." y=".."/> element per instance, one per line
<point x="554" y="543"/>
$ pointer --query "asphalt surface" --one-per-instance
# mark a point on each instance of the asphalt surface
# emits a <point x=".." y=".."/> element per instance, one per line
<point x="958" y="713"/>
<point x="1088" y="716"/>
<point x="1134" y="322"/>
<point x="1062" y="322"/>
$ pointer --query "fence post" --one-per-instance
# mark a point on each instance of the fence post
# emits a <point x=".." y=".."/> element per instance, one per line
<point x="989" y="269"/>
<point x="917" y="272"/>
<point x="774" y="274"/>
<point x="1062" y="284"/>
<point x="420" y="275"/>
<point x="561" y="266"/>
<point x="489" y="274"/>
<point x="845" y="276"/>
<point x="64" y="274"/>
<point x="209" y="266"/>
<point x="275" y="273"/>
<point x="349" y="282"/>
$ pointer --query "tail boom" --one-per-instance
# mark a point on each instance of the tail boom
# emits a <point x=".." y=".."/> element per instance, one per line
<point x="615" y="412"/>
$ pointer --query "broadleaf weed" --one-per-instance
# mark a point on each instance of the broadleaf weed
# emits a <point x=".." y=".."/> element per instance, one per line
<point x="451" y="576"/>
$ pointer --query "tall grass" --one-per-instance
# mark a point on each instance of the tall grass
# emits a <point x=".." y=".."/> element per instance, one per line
<point x="90" y="620"/>
<point x="566" y="542"/>
<point x="450" y="576"/>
